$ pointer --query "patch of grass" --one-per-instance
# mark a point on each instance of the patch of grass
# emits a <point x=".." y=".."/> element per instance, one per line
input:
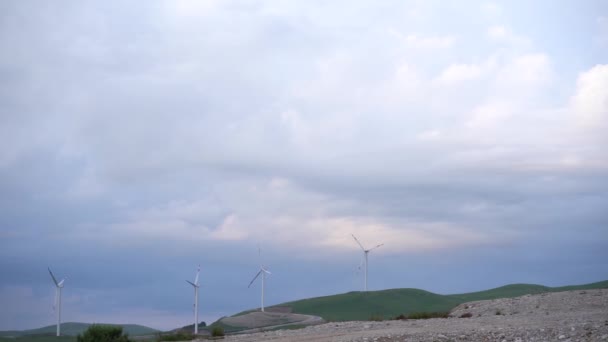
<point x="227" y="328"/>
<point x="39" y="338"/>
<point x="75" y="328"/>
<point x="360" y="306"/>
<point x="103" y="333"/>
<point x="427" y="315"/>
<point x="217" y="331"/>
<point x="175" y="337"/>
<point x="376" y="318"/>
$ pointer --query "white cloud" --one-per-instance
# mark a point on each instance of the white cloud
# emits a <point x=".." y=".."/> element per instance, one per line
<point x="489" y="116"/>
<point x="424" y="41"/>
<point x="491" y="9"/>
<point x="457" y="73"/>
<point x="590" y="101"/>
<point x="525" y="75"/>
<point x="502" y="34"/>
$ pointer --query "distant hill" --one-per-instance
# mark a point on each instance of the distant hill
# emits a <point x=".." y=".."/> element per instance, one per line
<point x="73" y="329"/>
<point x="391" y="303"/>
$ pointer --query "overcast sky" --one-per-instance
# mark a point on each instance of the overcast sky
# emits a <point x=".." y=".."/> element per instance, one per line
<point x="142" y="138"/>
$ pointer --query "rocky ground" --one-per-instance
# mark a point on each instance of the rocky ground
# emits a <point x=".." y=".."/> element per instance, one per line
<point x="269" y="320"/>
<point x="562" y="316"/>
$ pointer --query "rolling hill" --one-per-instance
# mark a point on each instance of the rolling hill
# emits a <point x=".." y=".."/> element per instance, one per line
<point x="73" y="329"/>
<point x="391" y="303"/>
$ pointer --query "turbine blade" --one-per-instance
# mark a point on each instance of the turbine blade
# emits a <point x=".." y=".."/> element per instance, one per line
<point x="197" y="273"/>
<point x="376" y="247"/>
<point x="191" y="283"/>
<point x="254" y="278"/>
<point x="61" y="282"/>
<point x="265" y="270"/>
<point x="52" y="276"/>
<point x="360" y="245"/>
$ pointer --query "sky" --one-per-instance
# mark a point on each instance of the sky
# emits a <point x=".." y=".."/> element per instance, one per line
<point x="143" y="138"/>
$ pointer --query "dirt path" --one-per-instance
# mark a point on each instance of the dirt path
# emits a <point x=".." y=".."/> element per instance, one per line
<point x="306" y="320"/>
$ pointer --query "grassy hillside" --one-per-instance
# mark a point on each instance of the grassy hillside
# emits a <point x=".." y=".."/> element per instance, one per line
<point x="73" y="329"/>
<point x="363" y="305"/>
<point x="39" y="338"/>
<point x="391" y="303"/>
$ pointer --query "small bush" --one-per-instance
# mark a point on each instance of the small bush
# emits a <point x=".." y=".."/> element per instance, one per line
<point x="422" y="315"/>
<point x="181" y="336"/>
<point x="466" y="315"/>
<point x="103" y="333"/>
<point x="376" y="318"/>
<point x="427" y="315"/>
<point x="217" y="331"/>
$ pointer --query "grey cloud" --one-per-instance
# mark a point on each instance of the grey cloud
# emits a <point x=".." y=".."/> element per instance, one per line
<point x="293" y="119"/>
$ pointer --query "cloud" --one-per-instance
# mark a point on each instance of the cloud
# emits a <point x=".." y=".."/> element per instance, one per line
<point x="590" y="101"/>
<point x="503" y="34"/>
<point x="491" y="9"/>
<point x="419" y="41"/>
<point x="187" y="131"/>
<point x="457" y="73"/>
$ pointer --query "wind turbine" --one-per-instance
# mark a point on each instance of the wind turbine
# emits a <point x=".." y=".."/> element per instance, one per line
<point x="58" y="287"/>
<point x="196" y="286"/>
<point x="365" y="253"/>
<point x="263" y="271"/>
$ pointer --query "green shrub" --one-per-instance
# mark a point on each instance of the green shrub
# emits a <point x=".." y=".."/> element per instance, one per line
<point x="217" y="331"/>
<point x="376" y="318"/>
<point x="427" y="315"/>
<point x="103" y="333"/>
<point x="176" y="337"/>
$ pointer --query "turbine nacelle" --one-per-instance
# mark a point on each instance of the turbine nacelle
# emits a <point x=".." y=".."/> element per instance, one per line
<point x="57" y="283"/>
<point x="195" y="284"/>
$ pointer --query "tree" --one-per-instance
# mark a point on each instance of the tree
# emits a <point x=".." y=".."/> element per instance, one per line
<point x="103" y="333"/>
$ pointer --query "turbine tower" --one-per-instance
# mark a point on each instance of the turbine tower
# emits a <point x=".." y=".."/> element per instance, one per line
<point x="263" y="271"/>
<point x="365" y="254"/>
<point x="195" y="285"/>
<point x="58" y="287"/>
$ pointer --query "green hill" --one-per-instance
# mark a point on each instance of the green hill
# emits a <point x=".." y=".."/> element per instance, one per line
<point x="73" y="329"/>
<point x="39" y="338"/>
<point x="393" y="302"/>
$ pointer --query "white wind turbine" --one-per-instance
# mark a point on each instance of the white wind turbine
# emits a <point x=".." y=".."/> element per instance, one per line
<point x="195" y="285"/>
<point x="365" y="253"/>
<point x="263" y="271"/>
<point x="58" y="287"/>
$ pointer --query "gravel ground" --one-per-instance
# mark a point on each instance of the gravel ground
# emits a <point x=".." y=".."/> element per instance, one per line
<point x="261" y="319"/>
<point x="562" y="316"/>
